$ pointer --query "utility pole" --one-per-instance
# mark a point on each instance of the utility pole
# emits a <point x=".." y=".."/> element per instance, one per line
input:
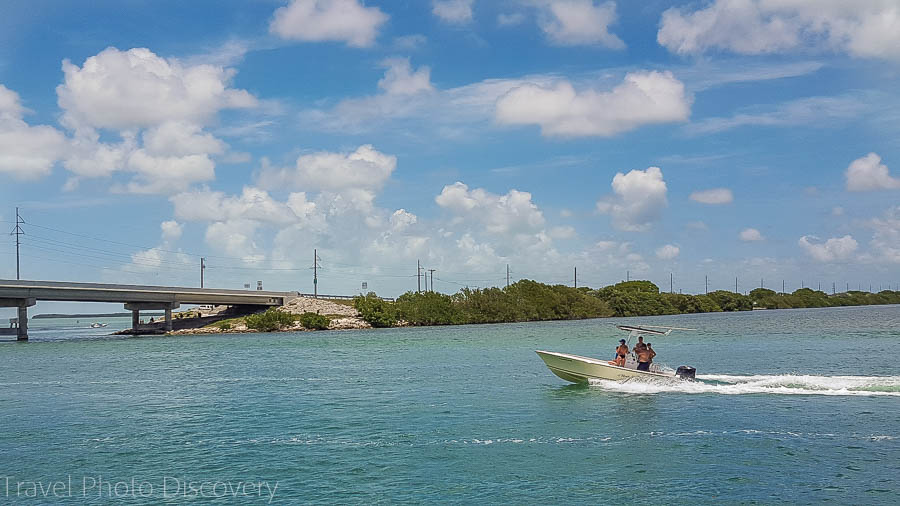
<point x="17" y="231"/>
<point x="671" y="282"/>
<point x="202" y="268"/>
<point x="735" y="285"/>
<point x="707" y="284"/>
<point x="418" y="277"/>
<point x="315" y="273"/>
<point x="627" y="275"/>
<point x="507" y="275"/>
<point x="782" y="287"/>
<point x="432" y="279"/>
<point x="761" y="282"/>
<point x="833" y="291"/>
<point x="576" y="277"/>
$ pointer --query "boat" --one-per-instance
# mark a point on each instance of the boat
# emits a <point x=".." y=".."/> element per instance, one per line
<point x="98" y="325"/>
<point x="578" y="369"/>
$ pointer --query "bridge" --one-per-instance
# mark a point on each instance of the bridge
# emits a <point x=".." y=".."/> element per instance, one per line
<point x="137" y="298"/>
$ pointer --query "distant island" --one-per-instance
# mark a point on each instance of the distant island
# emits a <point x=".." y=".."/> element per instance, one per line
<point x="90" y="315"/>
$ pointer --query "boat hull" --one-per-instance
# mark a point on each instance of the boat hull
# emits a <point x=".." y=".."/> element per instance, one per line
<point x="578" y="369"/>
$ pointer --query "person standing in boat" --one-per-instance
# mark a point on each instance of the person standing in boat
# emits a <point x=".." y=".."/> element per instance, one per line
<point x="645" y="356"/>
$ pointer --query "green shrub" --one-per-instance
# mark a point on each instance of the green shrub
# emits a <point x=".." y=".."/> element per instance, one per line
<point x="273" y="319"/>
<point x="375" y="311"/>
<point x="223" y="325"/>
<point x="314" y="321"/>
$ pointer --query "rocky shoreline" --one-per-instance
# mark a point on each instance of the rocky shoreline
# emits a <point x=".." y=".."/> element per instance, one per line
<point x="343" y="317"/>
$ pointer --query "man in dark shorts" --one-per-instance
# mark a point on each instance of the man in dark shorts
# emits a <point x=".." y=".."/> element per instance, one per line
<point x="645" y="357"/>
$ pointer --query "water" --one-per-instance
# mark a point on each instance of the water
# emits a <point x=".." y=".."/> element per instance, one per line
<point x="798" y="406"/>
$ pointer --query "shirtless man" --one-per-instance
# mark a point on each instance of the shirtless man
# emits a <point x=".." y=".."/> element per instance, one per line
<point x="640" y="344"/>
<point x="621" y="353"/>
<point x="645" y="356"/>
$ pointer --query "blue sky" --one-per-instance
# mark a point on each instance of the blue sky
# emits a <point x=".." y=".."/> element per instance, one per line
<point x="726" y="138"/>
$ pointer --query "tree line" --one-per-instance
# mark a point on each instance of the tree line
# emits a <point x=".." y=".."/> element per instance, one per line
<point x="528" y="300"/>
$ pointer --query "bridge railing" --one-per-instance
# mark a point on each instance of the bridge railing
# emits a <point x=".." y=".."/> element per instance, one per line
<point x="342" y="297"/>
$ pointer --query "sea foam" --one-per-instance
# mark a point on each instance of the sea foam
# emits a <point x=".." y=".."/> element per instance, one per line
<point x="783" y="384"/>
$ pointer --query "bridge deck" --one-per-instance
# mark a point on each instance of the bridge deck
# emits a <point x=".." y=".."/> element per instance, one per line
<point x="97" y="292"/>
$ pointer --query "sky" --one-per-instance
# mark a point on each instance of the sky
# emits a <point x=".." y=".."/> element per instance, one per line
<point x="698" y="143"/>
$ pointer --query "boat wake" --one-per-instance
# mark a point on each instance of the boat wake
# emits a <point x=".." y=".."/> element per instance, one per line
<point x="782" y="384"/>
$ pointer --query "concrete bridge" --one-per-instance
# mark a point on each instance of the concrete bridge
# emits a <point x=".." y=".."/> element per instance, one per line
<point x="137" y="298"/>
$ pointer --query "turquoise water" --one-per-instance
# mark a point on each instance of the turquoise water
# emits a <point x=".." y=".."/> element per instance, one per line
<point x="799" y="406"/>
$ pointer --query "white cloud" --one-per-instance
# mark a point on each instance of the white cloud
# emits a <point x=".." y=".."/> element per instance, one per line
<point x="136" y="88"/>
<point x="171" y="230"/>
<point x="345" y="21"/>
<point x="26" y="152"/>
<point x="410" y="42"/>
<point x="562" y="232"/>
<point x="167" y="174"/>
<point x="453" y="11"/>
<point x="399" y="79"/>
<point x="713" y="196"/>
<point x="511" y="19"/>
<point x="253" y="204"/>
<point x="236" y="239"/>
<point x="750" y="234"/>
<point x="869" y="29"/>
<point x="579" y="22"/>
<point x="640" y="197"/>
<point x="365" y="168"/>
<point x="644" y="98"/>
<point x="886" y="236"/>
<point x="667" y="252"/>
<point x="814" y="111"/>
<point x="176" y="138"/>
<point x="513" y="212"/>
<point x="832" y="250"/>
<point x="868" y="174"/>
<point x="698" y="226"/>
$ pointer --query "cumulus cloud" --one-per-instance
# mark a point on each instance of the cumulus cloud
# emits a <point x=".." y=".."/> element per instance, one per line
<point x="453" y="11"/>
<point x="579" y="22"/>
<point x="26" y="152"/>
<point x="667" y="252"/>
<point x="713" y="196"/>
<point x="868" y="174"/>
<point x="643" y="98"/>
<point x="886" y="236"/>
<point x="365" y="168"/>
<point x="750" y="235"/>
<point x="136" y="89"/>
<point x="346" y="21"/>
<point x="512" y="212"/>
<point x="833" y="250"/>
<point x="868" y="29"/>
<point x="158" y="107"/>
<point x="640" y="197"/>
<point x="400" y="79"/>
<point x="171" y="230"/>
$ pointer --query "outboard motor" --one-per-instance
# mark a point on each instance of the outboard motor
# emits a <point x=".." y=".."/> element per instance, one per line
<point x="686" y="372"/>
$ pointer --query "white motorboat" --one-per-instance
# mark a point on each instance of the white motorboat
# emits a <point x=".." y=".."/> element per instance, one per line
<point x="578" y="369"/>
<point x="98" y="325"/>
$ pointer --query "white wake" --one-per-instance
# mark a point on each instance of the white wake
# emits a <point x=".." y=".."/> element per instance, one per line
<point x="785" y="384"/>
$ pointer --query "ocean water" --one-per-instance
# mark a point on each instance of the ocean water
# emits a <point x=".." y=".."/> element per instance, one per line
<point x="795" y="406"/>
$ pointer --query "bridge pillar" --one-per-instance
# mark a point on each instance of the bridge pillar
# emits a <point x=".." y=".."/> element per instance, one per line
<point x="22" y="324"/>
<point x="137" y="307"/>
